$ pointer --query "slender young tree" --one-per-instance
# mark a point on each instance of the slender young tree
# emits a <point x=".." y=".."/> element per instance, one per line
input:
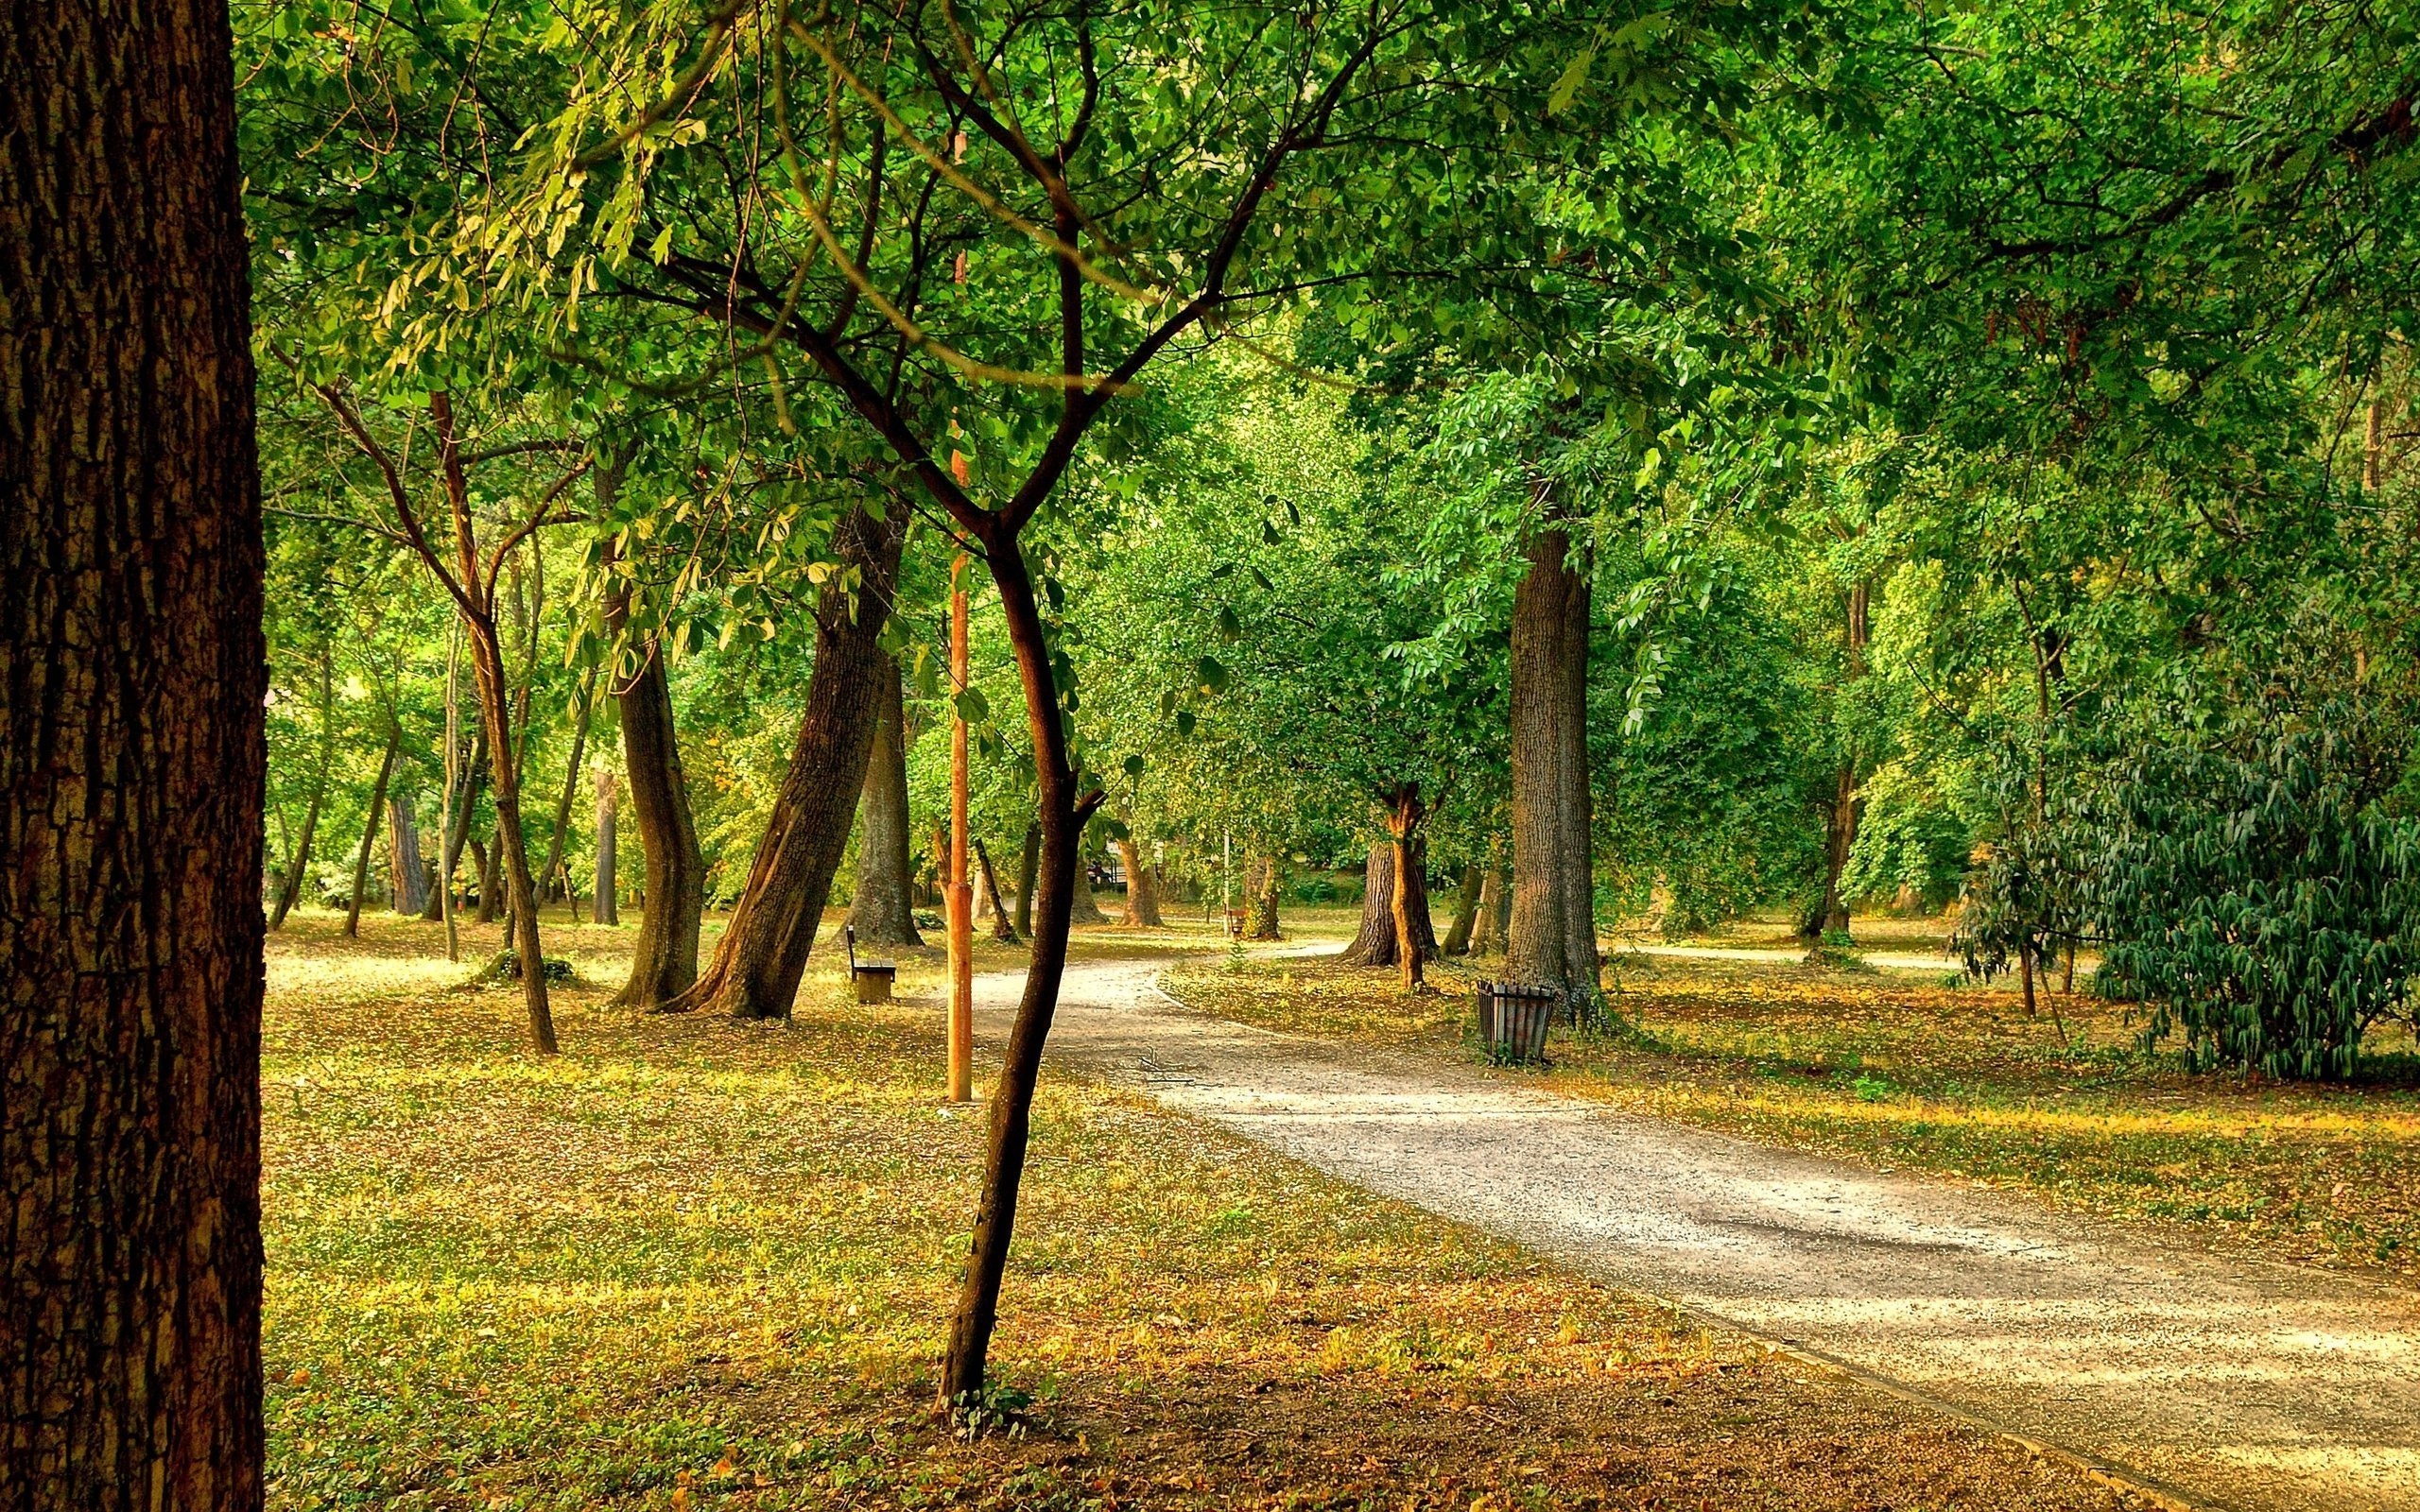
<point x="375" y="815"/>
<point x="131" y="751"/>
<point x="298" y="867"/>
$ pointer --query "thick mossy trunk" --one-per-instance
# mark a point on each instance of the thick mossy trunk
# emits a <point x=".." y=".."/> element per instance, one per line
<point x="1554" y="931"/>
<point x="882" y="910"/>
<point x="130" y="767"/>
<point x="763" y="954"/>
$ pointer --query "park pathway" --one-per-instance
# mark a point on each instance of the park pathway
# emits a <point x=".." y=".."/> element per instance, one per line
<point x="2231" y="1384"/>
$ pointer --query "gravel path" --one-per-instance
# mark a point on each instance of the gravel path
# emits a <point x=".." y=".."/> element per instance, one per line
<point x="2233" y="1384"/>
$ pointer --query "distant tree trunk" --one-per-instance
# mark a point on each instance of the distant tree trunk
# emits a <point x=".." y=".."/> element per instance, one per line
<point x="370" y="830"/>
<point x="763" y="952"/>
<point x="454" y="835"/>
<point x="1458" y="938"/>
<point x="1840" y="818"/>
<point x="1553" y="933"/>
<point x="607" y="907"/>
<point x="298" y="869"/>
<point x="1025" y="879"/>
<point x="483" y="864"/>
<point x="554" y="881"/>
<point x="406" y="868"/>
<point x="1269" y="880"/>
<point x="1487" y="929"/>
<point x="1083" y="909"/>
<point x="131" y="765"/>
<point x="1003" y="928"/>
<point x="1142" y="890"/>
<point x="882" y="910"/>
<point x="664" y="957"/>
<point x="1414" y="940"/>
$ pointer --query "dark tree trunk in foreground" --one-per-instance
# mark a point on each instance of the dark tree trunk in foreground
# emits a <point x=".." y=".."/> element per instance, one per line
<point x="664" y="957"/>
<point x="1266" y="883"/>
<point x="1142" y="890"/>
<point x="377" y="814"/>
<point x="881" y="910"/>
<point x="298" y="870"/>
<point x="1003" y="928"/>
<point x="406" y="867"/>
<point x="131" y="679"/>
<point x="763" y="954"/>
<point x="1458" y="938"/>
<point x="1553" y="941"/>
<point x="609" y="910"/>
<point x="1026" y="862"/>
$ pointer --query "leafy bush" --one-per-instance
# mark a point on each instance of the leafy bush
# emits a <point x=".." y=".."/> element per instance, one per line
<point x="2255" y="892"/>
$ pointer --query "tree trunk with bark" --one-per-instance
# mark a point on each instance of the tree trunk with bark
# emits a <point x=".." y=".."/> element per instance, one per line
<point x="1840" y="816"/>
<point x="132" y="761"/>
<point x="483" y="865"/>
<point x="1142" y="890"/>
<point x="608" y="909"/>
<point x="554" y="879"/>
<point x="377" y="811"/>
<point x="1458" y="938"/>
<point x="882" y="910"/>
<point x="664" y="957"/>
<point x="1415" y="938"/>
<point x="406" y="867"/>
<point x="1495" y="902"/>
<point x="1375" y="942"/>
<point x="1003" y="929"/>
<point x="1554" y="931"/>
<point x="1267" y="882"/>
<point x="298" y="869"/>
<point x="1027" y="863"/>
<point x="763" y="952"/>
<point x="1083" y="909"/>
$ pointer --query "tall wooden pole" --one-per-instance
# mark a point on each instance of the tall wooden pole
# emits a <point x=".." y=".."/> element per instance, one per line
<point x="959" y="895"/>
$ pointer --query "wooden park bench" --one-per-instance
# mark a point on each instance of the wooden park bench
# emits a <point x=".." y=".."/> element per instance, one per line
<point x="873" y="979"/>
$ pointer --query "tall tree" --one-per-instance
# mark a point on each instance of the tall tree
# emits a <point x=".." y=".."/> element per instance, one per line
<point x="663" y="958"/>
<point x="131" y="748"/>
<point x="881" y="909"/>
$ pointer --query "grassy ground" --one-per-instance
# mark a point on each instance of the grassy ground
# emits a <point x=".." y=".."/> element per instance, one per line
<point x="1895" y="1069"/>
<point x="690" y="1262"/>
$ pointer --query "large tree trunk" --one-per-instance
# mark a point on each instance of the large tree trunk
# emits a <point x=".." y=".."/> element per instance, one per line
<point x="663" y="958"/>
<point x="882" y="910"/>
<point x="609" y="909"/>
<point x="1374" y="943"/>
<point x="1415" y="938"/>
<point x="1841" y="815"/>
<point x="370" y="830"/>
<point x="763" y="954"/>
<point x="1003" y="929"/>
<point x="406" y="867"/>
<point x="298" y="869"/>
<point x="1267" y="883"/>
<point x="131" y="681"/>
<point x="1458" y="938"/>
<point x="1554" y="931"/>
<point x="1142" y="890"/>
<point x="1027" y="863"/>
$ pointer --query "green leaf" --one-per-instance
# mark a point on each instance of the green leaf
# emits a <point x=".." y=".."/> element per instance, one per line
<point x="1212" y="676"/>
<point x="971" y="706"/>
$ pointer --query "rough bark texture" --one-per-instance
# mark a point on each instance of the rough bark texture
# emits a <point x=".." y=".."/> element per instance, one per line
<point x="1553" y="933"/>
<point x="1374" y="943"/>
<point x="1027" y="863"/>
<point x="882" y="910"/>
<point x="376" y="811"/>
<point x="1266" y="886"/>
<point x="609" y="909"/>
<point x="131" y="679"/>
<point x="1458" y="938"/>
<point x="664" y="957"/>
<point x="1414" y="940"/>
<point x="763" y="952"/>
<point x="1142" y="888"/>
<point x="406" y="867"/>
<point x="298" y="869"/>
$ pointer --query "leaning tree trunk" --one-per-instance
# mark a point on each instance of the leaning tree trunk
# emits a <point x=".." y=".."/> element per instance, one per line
<point x="407" y="867"/>
<point x="369" y="829"/>
<point x="1003" y="929"/>
<point x="1458" y="938"/>
<point x="1553" y="934"/>
<point x="130" y="756"/>
<point x="763" y="954"/>
<point x="1142" y="890"/>
<point x="299" y="868"/>
<point x="1268" y="879"/>
<point x="1027" y="863"/>
<point x="664" y="957"/>
<point x="882" y="910"/>
<point x="608" y="909"/>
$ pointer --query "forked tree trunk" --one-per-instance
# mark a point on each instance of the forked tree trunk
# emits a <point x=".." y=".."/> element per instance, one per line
<point x="407" y="867"/>
<point x="377" y="812"/>
<point x="1269" y="880"/>
<point x="608" y="909"/>
<point x="763" y="952"/>
<point x="664" y="957"/>
<point x="1458" y="938"/>
<point x="299" y="869"/>
<point x="130" y="760"/>
<point x="882" y="910"/>
<point x="1003" y="928"/>
<point x="1553" y="933"/>
<point x="1142" y="890"/>
<point x="1026" y="862"/>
